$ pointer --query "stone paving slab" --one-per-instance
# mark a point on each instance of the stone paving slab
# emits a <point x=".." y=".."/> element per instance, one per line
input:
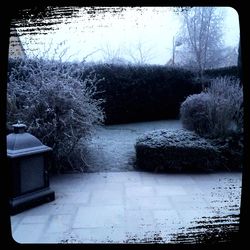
<point x="130" y="207"/>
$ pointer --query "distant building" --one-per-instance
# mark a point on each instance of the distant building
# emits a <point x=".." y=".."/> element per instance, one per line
<point x="170" y="62"/>
<point x="16" y="49"/>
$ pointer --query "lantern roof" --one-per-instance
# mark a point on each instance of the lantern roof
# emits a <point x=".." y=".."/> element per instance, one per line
<point x="20" y="143"/>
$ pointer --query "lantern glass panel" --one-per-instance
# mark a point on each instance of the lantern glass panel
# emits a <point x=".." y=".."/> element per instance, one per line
<point x="32" y="173"/>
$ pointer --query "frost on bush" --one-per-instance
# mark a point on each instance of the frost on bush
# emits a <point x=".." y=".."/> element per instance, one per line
<point x="183" y="150"/>
<point x="56" y="105"/>
<point x="216" y="112"/>
<point x="173" y="150"/>
<point x="195" y="113"/>
<point x="225" y="108"/>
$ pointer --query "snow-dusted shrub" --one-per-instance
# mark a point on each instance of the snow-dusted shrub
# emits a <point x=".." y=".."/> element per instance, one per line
<point x="180" y="149"/>
<point x="217" y="111"/>
<point x="225" y="107"/>
<point x="194" y="113"/>
<point x="56" y="105"/>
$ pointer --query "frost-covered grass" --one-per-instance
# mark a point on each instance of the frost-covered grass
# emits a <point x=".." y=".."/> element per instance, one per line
<point x="179" y="150"/>
<point x="111" y="148"/>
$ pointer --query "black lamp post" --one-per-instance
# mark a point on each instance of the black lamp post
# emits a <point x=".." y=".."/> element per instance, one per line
<point x="28" y="160"/>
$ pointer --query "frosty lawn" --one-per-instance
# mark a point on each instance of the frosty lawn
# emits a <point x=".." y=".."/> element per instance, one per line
<point x="112" y="147"/>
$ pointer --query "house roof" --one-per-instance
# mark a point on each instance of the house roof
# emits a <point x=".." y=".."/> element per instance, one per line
<point x="15" y="45"/>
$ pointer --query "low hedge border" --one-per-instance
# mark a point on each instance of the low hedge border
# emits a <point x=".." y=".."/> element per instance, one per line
<point x="182" y="150"/>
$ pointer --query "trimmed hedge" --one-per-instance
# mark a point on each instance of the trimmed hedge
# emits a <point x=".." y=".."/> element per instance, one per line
<point x="232" y="71"/>
<point x="137" y="93"/>
<point x="182" y="150"/>
<point x="134" y="93"/>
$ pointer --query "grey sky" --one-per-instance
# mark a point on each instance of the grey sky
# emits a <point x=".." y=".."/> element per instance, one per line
<point x="153" y="28"/>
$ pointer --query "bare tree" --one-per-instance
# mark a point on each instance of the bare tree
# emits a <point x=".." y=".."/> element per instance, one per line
<point x="229" y="57"/>
<point x="202" y="35"/>
<point x="141" y="54"/>
<point x="112" y="55"/>
<point x="51" y="50"/>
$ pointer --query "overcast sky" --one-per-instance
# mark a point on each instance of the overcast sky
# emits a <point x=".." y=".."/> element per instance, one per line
<point x="120" y="34"/>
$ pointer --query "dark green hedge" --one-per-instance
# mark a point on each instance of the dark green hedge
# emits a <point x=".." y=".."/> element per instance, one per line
<point x="232" y="71"/>
<point x="139" y="93"/>
<point x="134" y="93"/>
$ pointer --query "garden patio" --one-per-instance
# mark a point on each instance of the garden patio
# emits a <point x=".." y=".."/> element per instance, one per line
<point x="116" y="204"/>
<point x="134" y="207"/>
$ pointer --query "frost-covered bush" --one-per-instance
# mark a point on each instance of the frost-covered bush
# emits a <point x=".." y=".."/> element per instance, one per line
<point x="180" y="149"/>
<point x="216" y="112"/>
<point x="194" y="113"/>
<point x="183" y="150"/>
<point x="225" y="108"/>
<point x="56" y="105"/>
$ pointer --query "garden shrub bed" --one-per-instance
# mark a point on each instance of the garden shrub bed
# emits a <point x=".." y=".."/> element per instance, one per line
<point x="217" y="112"/>
<point x="135" y="93"/>
<point x="182" y="150"/>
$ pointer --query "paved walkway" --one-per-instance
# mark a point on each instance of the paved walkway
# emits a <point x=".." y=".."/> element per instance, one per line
<point x="133" y="207"/>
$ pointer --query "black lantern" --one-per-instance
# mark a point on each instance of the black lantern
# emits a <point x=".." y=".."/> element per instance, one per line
<point x="28" y="160"/>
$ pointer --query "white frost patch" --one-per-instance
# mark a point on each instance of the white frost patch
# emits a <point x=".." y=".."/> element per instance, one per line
<point x="172" y="138"/>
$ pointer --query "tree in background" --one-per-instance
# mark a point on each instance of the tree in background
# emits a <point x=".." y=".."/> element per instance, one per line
<point x="229" y="56"/>
<point x="112" y="55"/>
<point x="202" y="37"/>
<point x="141" y="53"/>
